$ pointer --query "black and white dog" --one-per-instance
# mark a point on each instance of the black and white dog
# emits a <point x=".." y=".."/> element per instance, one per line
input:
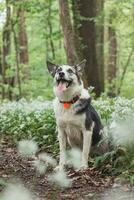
<point x="77" y="121"/>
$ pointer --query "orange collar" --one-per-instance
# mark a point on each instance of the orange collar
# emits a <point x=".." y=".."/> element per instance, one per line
<point x="67" y="104"/>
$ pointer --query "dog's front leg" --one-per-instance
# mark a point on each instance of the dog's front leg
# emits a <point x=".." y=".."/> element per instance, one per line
<point x="62" y="142"/>
<point x="87" y="139"/>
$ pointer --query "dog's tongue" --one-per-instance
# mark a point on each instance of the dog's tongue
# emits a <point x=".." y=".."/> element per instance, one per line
<point x="61" y="86"/>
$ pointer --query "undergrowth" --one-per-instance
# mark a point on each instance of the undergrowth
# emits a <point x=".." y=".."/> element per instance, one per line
<point x="35" y="120"/>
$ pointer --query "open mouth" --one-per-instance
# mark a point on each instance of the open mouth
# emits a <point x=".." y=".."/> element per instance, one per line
<point x="63" y="84"/>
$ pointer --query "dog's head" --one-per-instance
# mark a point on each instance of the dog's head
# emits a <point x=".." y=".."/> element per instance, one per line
<point x="66" y="77"/>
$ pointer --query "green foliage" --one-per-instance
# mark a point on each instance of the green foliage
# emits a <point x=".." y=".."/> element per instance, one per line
<point x="38" y="15"/>
<point x="118" y="115"/>
<point x="34" y="120"/>
<point x="128" y="85"/>
<point x="123" y="23"/>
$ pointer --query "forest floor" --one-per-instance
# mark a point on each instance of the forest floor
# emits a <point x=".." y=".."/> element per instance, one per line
<point x="88" y="184"/>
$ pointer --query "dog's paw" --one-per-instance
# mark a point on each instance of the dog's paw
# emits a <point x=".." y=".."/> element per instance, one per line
<point x="59" y="168"/>
<point x="83" y="167"/>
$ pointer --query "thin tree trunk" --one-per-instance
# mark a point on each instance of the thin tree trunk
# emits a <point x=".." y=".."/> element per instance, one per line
<point x="17" y="77"/>
<point x="100" y="40"/>
<point x="23" y="43"/>
<point x="50" y="30"/>
<point x="0" y="61"/>
<point x="76" y="26"/>
<point x="60" y="39"/>
<point x="0" y="72"/>
<point x="112" y="58"/>
<point x="68" y="32"/>
<point x="6" y="38"/>
<point x="125" y="70"/>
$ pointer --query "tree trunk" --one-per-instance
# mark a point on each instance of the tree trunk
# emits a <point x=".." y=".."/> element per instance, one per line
<point x="0" y="72"/>
<point x="23" y="42"/>
<point x="125" y="70"/>
<point x="76" y="25"/>
<point x="0" y="61"/>
<point x="6" y="38"/>
<point x="112" y="58"/>
<point x="50" y="29"/>
<point x="100" y="41"/>
<point x="87" y="35"/>
<point x="68" y="32"/>
<point x="17" y="77"/>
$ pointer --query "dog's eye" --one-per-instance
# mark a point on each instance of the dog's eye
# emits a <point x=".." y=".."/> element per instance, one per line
<point x="70" y="71"/>
<point x="59" y="69"/>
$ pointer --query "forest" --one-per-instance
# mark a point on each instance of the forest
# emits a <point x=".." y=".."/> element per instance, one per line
<point x="33" y="32"/>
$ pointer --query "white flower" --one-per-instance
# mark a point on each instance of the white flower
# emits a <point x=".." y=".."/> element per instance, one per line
<point x="45" y="136"/>
<point x="48" y="159"/>
<point x="16" y="192"/>
<point x="40" y="166"/>
<point x="60" y="178"/>
<point x="27" y="147"/>
<point x="123" y="133"/>
<point x="113" y="125"/>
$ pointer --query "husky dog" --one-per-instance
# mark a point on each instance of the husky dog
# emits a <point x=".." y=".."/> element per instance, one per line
<point x="77" y="121"/>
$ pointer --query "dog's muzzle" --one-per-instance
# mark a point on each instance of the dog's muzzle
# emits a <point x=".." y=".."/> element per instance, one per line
<point x="63" y="84"/>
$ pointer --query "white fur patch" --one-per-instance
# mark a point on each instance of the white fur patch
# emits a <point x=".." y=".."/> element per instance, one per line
<point x="84" y="94"/>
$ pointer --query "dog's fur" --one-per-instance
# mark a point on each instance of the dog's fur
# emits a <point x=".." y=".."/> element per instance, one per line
<point x="79" y="125"/>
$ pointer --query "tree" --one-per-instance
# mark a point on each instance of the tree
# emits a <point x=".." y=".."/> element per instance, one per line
<point x="112" y="57"/>
<point x="22" y="41"/>
<point x="125" y="70"/>
<point x="68" y="32"/>
<point x="76" y="26"/>
<point x="6" y="39"/>
<point x="50" y="29"/>
<point x="17" y="80"/>
<point x="99" y="27"/>
<point x="0" y="71"/>
<point x="0" y="61"/>
<point x="84" y="22"/>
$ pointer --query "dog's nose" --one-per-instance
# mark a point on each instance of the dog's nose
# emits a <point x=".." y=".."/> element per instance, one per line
<point x="61" y="74"/>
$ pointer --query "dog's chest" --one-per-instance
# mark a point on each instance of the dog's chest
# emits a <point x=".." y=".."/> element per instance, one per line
<point x="70" y="123"/>
<point x="66" y="118"/>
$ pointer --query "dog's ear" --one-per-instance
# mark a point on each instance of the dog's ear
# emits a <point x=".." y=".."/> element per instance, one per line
<point x="80" y="67"/>
<point x="52" y="68"/>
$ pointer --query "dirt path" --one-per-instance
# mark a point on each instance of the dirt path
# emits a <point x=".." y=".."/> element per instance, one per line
<point x="89" y="184"/>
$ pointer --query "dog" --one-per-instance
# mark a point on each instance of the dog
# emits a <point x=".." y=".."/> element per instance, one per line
<point x="78" y="123"/>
